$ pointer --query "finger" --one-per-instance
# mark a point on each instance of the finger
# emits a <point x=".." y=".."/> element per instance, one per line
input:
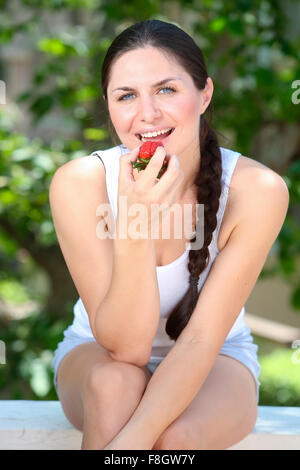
<point x="126" y="168"/>
<point x="155" y="163"/>
<point x="135" y="174"/>
<point x="172" y="177"/>
<point x="173" y="165"/>
<point x="172" y="195"/>
<point x="173" y="162"/>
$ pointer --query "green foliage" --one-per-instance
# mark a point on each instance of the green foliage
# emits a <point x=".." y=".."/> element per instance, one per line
<point x="288" y="241"/>
<point x="30" y="342"/>
<point x="280" y="378"/>
<point x="13" y="291"/>
<point x="26" y="168"/>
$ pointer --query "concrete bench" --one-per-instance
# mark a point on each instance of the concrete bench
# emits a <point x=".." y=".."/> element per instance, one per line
<point x="26" y="424"/>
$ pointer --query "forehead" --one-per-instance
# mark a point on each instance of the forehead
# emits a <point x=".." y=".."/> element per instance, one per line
<point x="147" y="64"/>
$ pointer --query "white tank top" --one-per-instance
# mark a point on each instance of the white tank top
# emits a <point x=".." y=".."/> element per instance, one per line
<point x="173" y="278"/>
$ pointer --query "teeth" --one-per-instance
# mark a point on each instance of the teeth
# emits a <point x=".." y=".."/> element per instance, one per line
<point x="155" y="134"/>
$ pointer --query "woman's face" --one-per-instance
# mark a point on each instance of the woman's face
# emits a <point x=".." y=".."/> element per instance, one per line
<point x="148" y="106"/>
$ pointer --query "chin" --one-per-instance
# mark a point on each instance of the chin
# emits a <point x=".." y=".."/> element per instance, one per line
<point x="130" y="145"/>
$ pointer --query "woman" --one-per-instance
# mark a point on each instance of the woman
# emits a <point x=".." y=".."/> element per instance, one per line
<point x="159" y="355"/>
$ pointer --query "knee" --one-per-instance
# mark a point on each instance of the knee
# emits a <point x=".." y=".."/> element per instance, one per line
<point x="114" y="379"/>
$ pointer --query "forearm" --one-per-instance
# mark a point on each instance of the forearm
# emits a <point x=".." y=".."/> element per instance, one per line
<point x="127" y="319"/>
<point x="172" y="387"/>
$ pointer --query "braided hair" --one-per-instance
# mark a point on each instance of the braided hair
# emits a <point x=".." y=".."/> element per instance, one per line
<point x="170" y="39"/>
<point x="208" y="182"/>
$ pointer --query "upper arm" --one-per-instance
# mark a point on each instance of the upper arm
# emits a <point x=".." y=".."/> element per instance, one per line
<point x="263" y="208"/>
<point x="76" y="191"/>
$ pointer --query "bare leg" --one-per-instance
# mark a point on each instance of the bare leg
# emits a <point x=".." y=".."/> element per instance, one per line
<point x="110" y="395"/>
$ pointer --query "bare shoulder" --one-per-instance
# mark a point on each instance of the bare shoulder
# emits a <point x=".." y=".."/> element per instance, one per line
<point x="253" y="182"/>
<point x="81" y="181"/>
<point x="83" y="167"/>
<point x="251" y="175"/>
<point x="82" y="176"/>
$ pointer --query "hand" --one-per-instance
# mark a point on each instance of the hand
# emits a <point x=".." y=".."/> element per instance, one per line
<point x="146" y="188"/>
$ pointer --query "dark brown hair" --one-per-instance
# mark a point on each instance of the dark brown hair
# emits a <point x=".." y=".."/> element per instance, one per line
<point x="170" y="39"/>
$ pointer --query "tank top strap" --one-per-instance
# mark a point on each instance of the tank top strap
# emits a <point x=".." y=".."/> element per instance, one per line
<point x="97" y="153"/>
<point x="110" y="159"/>
<point x="229" y="161"/>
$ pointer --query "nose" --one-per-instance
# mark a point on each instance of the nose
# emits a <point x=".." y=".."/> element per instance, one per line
<point x="148" y="109"/>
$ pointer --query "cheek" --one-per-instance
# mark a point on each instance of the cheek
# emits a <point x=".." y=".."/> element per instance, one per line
<point x="184" y="112"/>
<point x="189" y="109"/>
<point x="120" y="118"/>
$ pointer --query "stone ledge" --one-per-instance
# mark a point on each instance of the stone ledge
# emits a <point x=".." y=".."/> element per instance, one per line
<point x="30" y="424"/>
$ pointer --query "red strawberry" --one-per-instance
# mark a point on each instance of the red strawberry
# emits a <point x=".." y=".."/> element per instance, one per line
<point x="147" y="151"/>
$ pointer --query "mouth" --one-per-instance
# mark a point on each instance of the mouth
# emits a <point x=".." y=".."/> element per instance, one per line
<point x="161" y="137"/>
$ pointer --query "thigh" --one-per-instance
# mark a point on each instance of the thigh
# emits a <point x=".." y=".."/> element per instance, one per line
<point x="222" y="413"/>
<point x="71" y="375"/>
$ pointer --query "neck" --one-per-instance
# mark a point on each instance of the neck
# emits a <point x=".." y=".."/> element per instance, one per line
<point x="190" y="168"/>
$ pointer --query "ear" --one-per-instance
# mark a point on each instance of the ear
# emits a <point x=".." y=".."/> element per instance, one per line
<point x="207" y="93"/>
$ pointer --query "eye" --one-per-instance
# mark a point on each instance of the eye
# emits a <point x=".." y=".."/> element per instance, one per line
<point x="164" y="88"/>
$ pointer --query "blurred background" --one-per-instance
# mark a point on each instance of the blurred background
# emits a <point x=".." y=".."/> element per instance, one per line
<point x="51" y="111"/>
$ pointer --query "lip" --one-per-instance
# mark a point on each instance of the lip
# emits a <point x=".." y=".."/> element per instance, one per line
<point x="162" y="138"/>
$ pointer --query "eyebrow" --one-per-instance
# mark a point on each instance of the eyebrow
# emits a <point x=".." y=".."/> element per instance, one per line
<point x="126" y="88"/>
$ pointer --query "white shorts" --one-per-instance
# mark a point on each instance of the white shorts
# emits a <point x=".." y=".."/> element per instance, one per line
<point x="240" y="347"/>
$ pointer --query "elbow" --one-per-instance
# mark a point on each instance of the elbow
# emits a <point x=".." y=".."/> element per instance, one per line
<point x="132" y="355"/>
<point x="139" y="359"/>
